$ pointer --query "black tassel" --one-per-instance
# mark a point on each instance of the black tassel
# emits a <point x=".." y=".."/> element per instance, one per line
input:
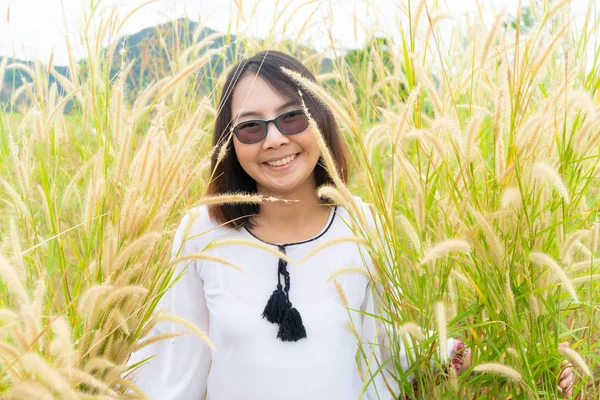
<point x="279" y="309"/>
<point x="291" y="328"/>
<point x="276" y="306"/>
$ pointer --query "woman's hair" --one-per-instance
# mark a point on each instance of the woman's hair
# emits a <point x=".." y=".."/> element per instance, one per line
<point x="228" y="175"/>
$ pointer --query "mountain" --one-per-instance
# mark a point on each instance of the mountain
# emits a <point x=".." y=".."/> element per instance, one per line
<point x="151" y="62"/>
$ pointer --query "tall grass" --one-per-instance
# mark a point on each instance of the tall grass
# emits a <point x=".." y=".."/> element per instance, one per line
<point x="477" y="148"/>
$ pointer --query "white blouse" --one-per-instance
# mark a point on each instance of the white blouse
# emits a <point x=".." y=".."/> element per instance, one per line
<point x="249" y="362"/>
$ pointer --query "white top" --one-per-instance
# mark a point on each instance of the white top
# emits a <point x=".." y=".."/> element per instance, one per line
<point x="250" y="362"/>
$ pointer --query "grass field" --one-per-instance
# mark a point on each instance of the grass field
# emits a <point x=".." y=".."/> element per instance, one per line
<point x="479" y="153"/>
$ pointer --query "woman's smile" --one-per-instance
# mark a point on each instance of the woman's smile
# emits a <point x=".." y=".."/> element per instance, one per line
<point x="283" y="163"/>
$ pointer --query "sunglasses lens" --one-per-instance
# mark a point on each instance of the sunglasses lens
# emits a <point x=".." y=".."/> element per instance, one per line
<point x="292" y="122"/>
<point x="251" y="131"/>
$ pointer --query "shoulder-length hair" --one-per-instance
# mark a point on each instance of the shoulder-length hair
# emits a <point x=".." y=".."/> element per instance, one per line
<point x="228" y="176"/>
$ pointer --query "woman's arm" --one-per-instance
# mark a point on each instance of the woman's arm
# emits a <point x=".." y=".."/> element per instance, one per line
<point x="179" y="368"/>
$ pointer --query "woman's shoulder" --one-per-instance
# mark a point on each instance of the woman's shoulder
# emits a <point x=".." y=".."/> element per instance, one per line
<point x="365" y="211"/>
<point x="196" y="227"/>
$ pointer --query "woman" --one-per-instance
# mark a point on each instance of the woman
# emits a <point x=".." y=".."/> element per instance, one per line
<point x="280" y="331"/>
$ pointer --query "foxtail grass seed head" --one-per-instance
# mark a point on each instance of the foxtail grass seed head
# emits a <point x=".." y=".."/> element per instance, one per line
<point x="589" y="279"/>
<point x="444" y="248"/>
<point x="233" y="198"/>
<point x="498" y="136"/>
<point x="13" y="283"/>
<point x="322" y="95"/>
<point x="576" y="359"/>
<point x="491" y="37"/>
<point x="29" y="389"/>
<point x="191" y="328"/>
<point x="511" y="196"/>
<point x="512" y="352"/>
<point x="546" y="260"/>
<point x="546" y="173"/>
<point x="570" y="244"/>
<point x="495" y="245"/>
<point x="341" y="293"/>
<point x="412" y="329"/>
<point x="353" y="330"/>
<point x="410" y="233"/>
<point x="204" y="256"/>
<point x="342" y="239"/>
<point x="499" y="369"/>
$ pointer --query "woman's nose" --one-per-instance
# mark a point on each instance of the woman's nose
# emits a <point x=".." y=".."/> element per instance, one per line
<point x="274" y="137"/>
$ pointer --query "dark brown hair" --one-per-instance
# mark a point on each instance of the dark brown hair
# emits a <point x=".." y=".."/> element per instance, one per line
<point x="229" y="176"/>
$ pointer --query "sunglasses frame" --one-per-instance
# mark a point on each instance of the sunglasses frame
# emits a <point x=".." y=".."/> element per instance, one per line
<point x="267" y="122"/>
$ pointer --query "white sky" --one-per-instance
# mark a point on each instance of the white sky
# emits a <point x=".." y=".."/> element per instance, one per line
<point x="36" y="27"/>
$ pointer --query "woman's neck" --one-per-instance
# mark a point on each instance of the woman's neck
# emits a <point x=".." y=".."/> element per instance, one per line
<point x="302" y="214"/>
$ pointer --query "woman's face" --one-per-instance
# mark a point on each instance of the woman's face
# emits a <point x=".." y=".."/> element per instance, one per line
<point x="253" y="98"/>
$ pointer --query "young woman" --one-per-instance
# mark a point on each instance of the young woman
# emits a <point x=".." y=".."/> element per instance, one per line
<point x="280" y="331"/>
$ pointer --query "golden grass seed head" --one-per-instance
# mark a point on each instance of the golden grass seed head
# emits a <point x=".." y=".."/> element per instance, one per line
<point x="204" y="256"/>
<point x="576" y="359"/>
<point x="341" y="293"/>
<point x="13" y="283"/>
<point x="570" y="243"/>
<point x="77" y="377"/>
<point x="440" y="313"/>
<point x="513" y="353"/>
<point x="35" y="363"/>
<point x="410" y="232"/>
<point x="412" y="329"/>
<point x="28" y="389"/>
<point x="511" y="196"/>
<point x="191" y="328"/>
<point x="491" y="37"/>
<point x="590" y="279"/>
<point x="360" y="241"/>
<point x="545" y="260"/>
<point x="499" y="369"/>
<point x="444" y="248"/>
<point x="547" y="173"/>
<point x="495" y="245"/>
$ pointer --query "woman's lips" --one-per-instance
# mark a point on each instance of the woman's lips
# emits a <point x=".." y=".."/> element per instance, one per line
<point x="283" y="167"/>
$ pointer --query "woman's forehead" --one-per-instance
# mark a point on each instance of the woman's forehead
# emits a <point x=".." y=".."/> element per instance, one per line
<point x="252" y="95"/>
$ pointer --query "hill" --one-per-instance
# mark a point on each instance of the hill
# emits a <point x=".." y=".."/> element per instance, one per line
<point x="152" y="51"/>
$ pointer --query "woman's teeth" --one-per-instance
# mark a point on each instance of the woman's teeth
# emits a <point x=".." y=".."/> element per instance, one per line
<point x="283" y="161"/>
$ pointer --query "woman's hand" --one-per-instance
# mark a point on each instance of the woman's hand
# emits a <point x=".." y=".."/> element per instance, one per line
<point x="565" y="382"/>
<point x="567" y="377"/>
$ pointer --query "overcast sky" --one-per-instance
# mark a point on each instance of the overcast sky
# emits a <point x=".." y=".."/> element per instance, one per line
<point x="33" y="28"/>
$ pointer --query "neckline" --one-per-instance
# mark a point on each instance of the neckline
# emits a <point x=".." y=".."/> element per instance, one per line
<point x="330" y="219"/>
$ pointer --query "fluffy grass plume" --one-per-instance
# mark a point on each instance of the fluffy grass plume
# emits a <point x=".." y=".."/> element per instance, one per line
<point x="546" y="260"/>
<point x="440" y="313"/>
<point x="444" y="248"/>
<point x="546" y="173"/>
<point x="498" y="369"/>
<point x="441" y="117"/>
<point x="575" y="358"/>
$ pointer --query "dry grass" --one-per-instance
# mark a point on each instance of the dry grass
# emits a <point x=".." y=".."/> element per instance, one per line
<point x="490" y="137"/>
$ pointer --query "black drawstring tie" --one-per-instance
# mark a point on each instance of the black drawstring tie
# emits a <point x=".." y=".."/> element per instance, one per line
<point x="279" y="308"/>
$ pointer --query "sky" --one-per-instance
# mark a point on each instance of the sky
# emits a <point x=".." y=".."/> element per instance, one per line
<point x="35" y="28"/>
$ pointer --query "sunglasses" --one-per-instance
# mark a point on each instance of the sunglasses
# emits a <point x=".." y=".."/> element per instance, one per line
<point x="255" y="130"/>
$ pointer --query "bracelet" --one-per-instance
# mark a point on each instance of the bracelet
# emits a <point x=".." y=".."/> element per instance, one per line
<point x="458" y="353"/>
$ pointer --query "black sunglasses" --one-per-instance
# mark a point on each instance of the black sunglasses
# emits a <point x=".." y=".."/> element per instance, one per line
<point x="255" y="130"/>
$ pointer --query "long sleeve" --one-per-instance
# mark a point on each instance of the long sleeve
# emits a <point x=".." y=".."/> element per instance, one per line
<point x="180" y="367"/>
